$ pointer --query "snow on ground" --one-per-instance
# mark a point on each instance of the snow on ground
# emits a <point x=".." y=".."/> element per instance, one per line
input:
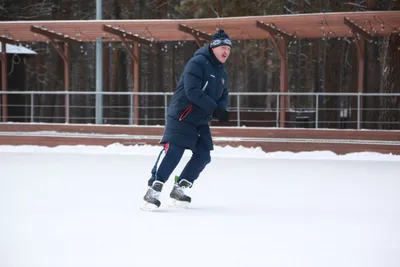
<point x="78" y="206"/>
<point x="226" y="152"/>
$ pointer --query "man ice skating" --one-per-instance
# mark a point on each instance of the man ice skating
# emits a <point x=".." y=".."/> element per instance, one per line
<point x="201" y="94"/>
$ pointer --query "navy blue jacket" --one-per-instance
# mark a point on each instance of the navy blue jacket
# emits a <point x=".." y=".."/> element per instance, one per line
<point x="201" y="88"/>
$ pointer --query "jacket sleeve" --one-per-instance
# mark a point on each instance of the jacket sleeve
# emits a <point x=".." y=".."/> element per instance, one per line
<point x="223" y="101"/>
<point x="193" y="80"/>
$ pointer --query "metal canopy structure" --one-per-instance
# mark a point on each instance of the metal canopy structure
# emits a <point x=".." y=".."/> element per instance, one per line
<point x="281" y="29"/>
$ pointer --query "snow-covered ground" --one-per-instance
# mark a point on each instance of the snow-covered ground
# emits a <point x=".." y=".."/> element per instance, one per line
<point x="78" y="206"/>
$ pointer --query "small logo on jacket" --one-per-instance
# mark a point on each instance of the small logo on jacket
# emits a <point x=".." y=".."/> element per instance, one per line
<point x="223" y="81"/>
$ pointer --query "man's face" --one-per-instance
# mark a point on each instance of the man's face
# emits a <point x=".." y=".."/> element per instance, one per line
<point x="222" y="52"/>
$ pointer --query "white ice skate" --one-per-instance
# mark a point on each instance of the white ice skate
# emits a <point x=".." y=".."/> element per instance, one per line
<point x="177" y="195"/>
<point x="152" y="197"/>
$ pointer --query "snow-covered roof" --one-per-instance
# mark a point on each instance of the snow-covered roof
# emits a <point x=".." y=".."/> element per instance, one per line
<point x="16" y="49"/>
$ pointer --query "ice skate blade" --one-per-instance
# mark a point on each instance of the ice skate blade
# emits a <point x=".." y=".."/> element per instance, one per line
<point x="148" y="206"/>
<point x="178" y="204"/>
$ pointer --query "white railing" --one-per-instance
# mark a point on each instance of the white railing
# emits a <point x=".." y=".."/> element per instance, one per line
<point x="318" y="109"/>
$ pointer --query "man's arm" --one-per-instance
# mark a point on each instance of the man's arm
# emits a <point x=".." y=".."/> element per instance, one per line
<point x="221" y="112"/>
<point x="193" y="88"/>
<point x="223" y="101"/>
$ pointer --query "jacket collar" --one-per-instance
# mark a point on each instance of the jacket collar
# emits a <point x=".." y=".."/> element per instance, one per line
<point x="206" y="51"/>
<point x="214" y="59"/>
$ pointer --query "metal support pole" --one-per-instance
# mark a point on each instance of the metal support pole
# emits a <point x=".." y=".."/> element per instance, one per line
<point x="316" y="111"/>
<point x="99" y="68"/>
<point x="238" y="110"/>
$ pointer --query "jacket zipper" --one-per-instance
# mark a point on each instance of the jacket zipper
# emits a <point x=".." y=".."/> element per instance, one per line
<point x="205" y="86"/>
<point x="185" y="112"/>
<point x="189" y="108"/>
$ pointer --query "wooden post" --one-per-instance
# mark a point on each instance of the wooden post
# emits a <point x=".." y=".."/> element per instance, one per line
<point x="283" y="83"/>
<point x="173" y="71"/>
<point x="4" y="82"/>
<point x="66" y="80"/>
<point x="279" y="39"/>
<point x="54" y="38"/>
<point x="280" y="46"/>
<point x="360" y="44"/>
<point x="4" y="110"/>
<point x="64" y="54"/>
<point x="134" y="54"/>
<point x="136" y="83"/>
<point x="371" y="4"/>
<point x="360" y="35"/>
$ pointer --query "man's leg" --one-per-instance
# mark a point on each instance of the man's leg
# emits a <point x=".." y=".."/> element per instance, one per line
<point x="173" y="154"/>
<point x="190" y="173"/>
<point x="197" y="163"/>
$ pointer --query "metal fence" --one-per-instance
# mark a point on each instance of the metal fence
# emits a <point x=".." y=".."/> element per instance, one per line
<point x="302" y="110"/>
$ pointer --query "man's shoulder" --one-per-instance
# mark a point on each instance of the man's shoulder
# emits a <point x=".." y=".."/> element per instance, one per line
<point x="198" y="59"/>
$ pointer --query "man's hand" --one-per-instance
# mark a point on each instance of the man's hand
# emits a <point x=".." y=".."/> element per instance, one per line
<point x="221" y="114"/>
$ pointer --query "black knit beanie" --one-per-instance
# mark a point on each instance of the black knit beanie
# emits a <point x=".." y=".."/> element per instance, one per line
<point x="220" y="38"/>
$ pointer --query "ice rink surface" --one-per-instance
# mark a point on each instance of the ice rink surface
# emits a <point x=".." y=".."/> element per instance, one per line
<point x="79" y="207"/>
